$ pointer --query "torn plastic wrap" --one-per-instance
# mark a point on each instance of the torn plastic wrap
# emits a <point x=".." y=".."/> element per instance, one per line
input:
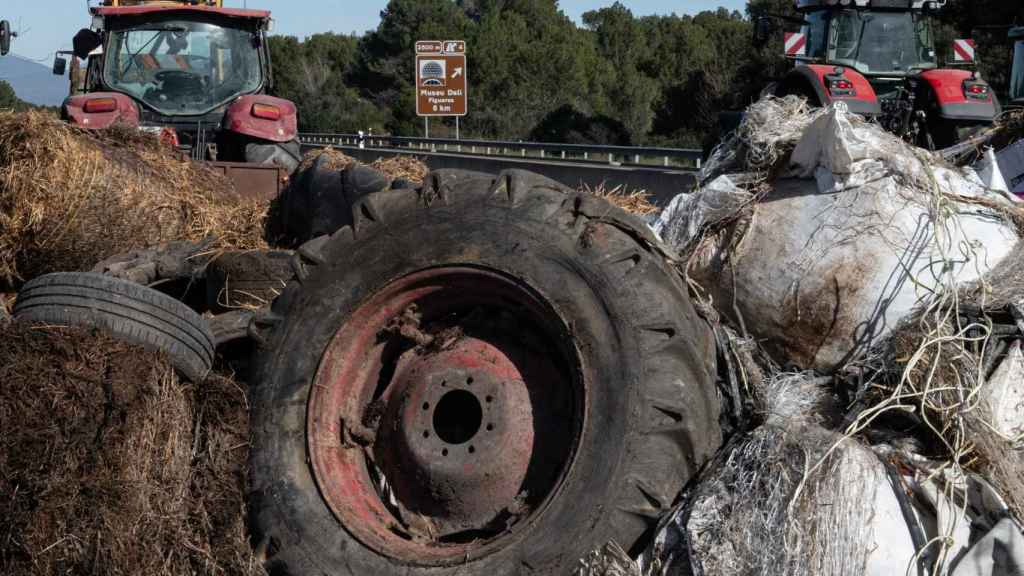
<point x="1011" y="165"/>
<point x="1004" y="394"/>
<point x="827" y="263"/>
<point x="789" y="498"/>
<point x="794" y="498"/>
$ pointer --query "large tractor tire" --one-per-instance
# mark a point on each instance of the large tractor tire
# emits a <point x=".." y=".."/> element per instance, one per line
<point x="486" y="376"/>
<point x="130" y="312"/>
<point x="287" y="155"/>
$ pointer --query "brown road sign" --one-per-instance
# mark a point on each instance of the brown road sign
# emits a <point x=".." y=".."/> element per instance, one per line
<point x="441" y="78"/>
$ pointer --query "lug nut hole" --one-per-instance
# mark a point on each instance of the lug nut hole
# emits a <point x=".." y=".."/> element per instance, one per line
<point x="472" y="449"/>
<point x="458" y="417"/>
<point x="444" y="452"/>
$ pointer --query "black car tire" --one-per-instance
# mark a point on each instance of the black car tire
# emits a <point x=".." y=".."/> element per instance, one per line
<point x="130" y="312"/>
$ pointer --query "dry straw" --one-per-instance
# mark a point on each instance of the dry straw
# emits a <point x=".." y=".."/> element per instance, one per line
<point x="115" y="466"/>
<point x="70" y="198"/>
<point x="633" y="201"/>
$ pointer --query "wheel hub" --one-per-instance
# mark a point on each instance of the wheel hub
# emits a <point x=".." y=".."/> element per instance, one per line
<point x="444" y="414"/>
<point x="461" y="436"/>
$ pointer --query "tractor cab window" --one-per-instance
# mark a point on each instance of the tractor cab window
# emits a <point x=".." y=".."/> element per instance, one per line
<point x="816" y="31"/>
<point x="881" y="42"/>
<point x="1017" y="82"/>
<point x="183" y="68"/>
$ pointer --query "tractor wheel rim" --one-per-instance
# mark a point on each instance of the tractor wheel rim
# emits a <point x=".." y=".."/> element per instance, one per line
<point x="445" y="415"/>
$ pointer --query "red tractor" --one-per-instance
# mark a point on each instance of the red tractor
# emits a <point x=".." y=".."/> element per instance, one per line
<point x="193" y="71"/>
<point x="878" y="56"/>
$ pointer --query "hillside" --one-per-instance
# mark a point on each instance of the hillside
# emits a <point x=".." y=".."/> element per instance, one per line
<point x="33" y="82"/>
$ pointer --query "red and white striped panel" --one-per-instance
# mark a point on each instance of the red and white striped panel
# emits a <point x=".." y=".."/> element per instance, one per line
<point x="963" y="50"/>
<point x="796" y="44"/>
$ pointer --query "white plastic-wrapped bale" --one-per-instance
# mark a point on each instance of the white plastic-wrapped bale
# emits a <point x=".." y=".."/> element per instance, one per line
<point x="863" y="230"/>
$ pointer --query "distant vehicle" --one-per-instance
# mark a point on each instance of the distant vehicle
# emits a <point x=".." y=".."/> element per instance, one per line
<point x="879" y="57"/>
<point x="193" y="71"/>
<point x="6" y="34"/>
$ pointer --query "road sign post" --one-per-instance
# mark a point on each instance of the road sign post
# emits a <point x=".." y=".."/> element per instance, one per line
<point x="441" y="79"/>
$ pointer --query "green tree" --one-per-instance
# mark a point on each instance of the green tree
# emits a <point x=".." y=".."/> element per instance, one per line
<point x="9" y="100"/>
<point x="385" y="70"/>
<point x="316" y="75"/>
<point x="622" y="43"/>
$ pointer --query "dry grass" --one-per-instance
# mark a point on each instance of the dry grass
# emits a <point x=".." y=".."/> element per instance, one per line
<point x="70" y="198"/>
<point x="402" y="167"/>
<point x="115" y="466"/>
<point x="333" y="159"/>
<point x="633" y="201"/>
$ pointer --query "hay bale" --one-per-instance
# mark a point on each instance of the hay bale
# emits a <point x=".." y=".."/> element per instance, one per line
<point x="111" y="465"/>
<point x="70" y="197"/>
<point x="790" y="498"/>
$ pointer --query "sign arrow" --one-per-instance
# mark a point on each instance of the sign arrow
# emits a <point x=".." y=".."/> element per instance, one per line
<point x="457" y="72"/>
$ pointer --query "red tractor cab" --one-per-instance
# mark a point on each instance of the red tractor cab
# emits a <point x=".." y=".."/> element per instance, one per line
<point x="878" y="56"/>
<point x="193" y="71"/>
<point x="1017" y="76"/>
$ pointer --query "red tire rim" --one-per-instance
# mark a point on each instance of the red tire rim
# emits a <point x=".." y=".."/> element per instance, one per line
<point x="445" y="415"/>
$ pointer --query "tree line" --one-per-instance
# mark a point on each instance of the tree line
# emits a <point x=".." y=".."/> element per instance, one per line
<point x="535" y="74"/>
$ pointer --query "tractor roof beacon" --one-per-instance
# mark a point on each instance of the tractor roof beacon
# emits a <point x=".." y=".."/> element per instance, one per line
<point x="879" y="57"/>
<point x="1017" y="78"/>
<point x="197" y="73"/>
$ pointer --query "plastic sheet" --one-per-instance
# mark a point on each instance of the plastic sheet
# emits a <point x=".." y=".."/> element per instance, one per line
<point x="829" y="262"/>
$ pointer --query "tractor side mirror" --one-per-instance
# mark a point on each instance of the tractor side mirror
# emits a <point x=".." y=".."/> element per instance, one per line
<point x="85" y="42"/>
<point x="60" y="66"/>
<point x="5" y="37"/>
<point x="762" y="30"/>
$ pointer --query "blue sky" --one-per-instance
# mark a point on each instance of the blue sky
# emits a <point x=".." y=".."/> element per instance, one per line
<point x="48" y="25"/>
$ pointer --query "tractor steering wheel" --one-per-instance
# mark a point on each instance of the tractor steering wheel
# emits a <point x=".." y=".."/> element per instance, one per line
<point x="172" y="75"/>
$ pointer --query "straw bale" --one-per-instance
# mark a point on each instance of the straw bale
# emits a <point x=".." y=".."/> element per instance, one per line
<point x="781" y="500"/>
<point x="111" y="465"/>
<point x="70" y="197"/>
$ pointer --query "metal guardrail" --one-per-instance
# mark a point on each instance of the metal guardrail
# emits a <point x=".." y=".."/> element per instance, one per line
<point x="612" y="155"/>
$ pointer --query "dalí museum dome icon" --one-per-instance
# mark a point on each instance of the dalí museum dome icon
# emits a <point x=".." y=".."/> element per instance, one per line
<point x="432" y="73"/>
